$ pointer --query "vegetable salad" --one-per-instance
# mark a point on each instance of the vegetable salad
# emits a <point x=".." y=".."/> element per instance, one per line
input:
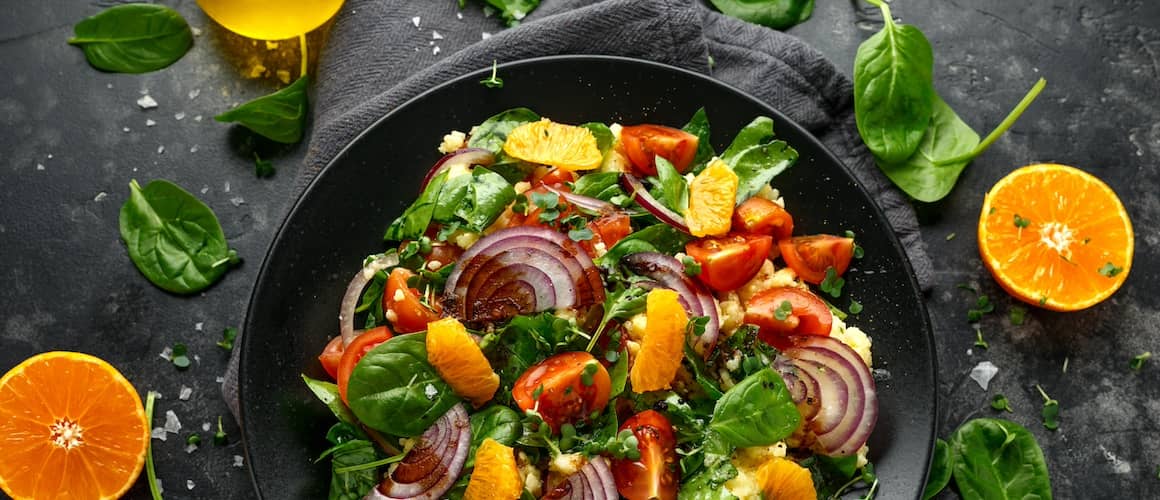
<point x="594" y="311"/>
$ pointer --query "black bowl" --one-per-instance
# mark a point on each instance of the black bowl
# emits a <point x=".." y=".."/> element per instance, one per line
<point x="341" y="217"/>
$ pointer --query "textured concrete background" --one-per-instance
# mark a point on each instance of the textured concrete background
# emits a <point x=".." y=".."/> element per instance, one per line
<point x="66" y="159"/>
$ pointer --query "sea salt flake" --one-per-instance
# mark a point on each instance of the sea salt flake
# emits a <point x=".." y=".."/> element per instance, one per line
<point x="983" y="372"/>
<point x="239" y="461"/>
<point x="100" y="196"/>
<point x="458" y="15"/>
<point x="220" y="380"/>
<point x="160" y="490"/>
<point x="485" y="35"/>
<point x="198" y="326"/>
<point x="160" y="150"/>
<point x="167" y="354"/>
<point x="185" y="393"/>
<point x="194" y="93"/>
<point x="108" y="85"/>
<point x="172" y="424"/>
<point x="190" y="448"/>
<point x="124" y="129"/>
<point x="194" y="148"/>
<point x="197" y="118"/>
<point x="50" y="156"/>
<point x="415" y="20"/>
<point x="180" y="115"/>
<point x="39" y="166"/>
<point x="196" y="31"/>
<point x="189" y="484"/>
<point x="204" y="189"/>
<point x="197" y="358"/>
<point x="158" y="433"/>
<point x="435" y="50"/>
<point x="150" y="123"/>
<point x="226" y="187"/>
<point x="205" y="426"/>
<point x="237" y="201"/>
<point x="435" y="35"/>
<point x="146" y="102"/>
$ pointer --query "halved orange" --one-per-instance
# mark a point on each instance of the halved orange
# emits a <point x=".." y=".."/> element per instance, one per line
<point x="549" y="143"/>
<point x="784" y="479"/>
<point x="496" y="475"/>
<point x="711" y="197"/>
<point x="71" y="426"/>
<point x="460" y="361"/>
<point x="1056" y="237"/>
<point x="663" y="345"/>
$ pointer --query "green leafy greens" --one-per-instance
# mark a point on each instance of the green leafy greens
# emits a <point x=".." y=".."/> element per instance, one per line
<point x="758" y="411"/>
<point x="492" y="133"/>
<point x="992" y="458"/>
<point x="756" y="157"/>
<point x="776" y="14"/>
<point x="173" y="238"/>
<point x="133" y="38"/>
<point x="393" y="389"/>
<point x="280" y="116"/>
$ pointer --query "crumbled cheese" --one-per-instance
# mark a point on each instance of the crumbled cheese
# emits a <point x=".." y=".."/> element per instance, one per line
<point x="731" y="311"/>
<point x="734" y="362"/>
<point x="767" y="277"/>
<point x="529" y="475"/>
<point x="454" y="140"/>
<point x="862" y="460"/>
<point x="599" y="248"/>
<point x="150" y="123"/>
<point x="158" y="433"/>
<point x="614" y="161"/>
<point x="391" y="316"/>
<point x="189" y="484"/>
<point x="190" y="448"/>
<point x="522" y="187"/>
<point x="770" y="193"/>
<point x="464" y="239"/>
<point x="185" y="393"/>
<point x="167" y="354"/>
<point x="567" y="464"/>
<point x="566" y="314"/>
<point x="854" y="337"/>
<point x="399" y="295"/>
<point x="239" y="461"/>
<point x="434" y="265"/>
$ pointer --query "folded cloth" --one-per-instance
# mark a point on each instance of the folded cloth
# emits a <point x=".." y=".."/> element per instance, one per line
<point x="384" y="52"/>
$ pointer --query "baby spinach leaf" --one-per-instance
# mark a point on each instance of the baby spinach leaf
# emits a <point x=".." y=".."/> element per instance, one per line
<point x="776" y="14"/>
<point x="133" y="38"/>
<point x="757" y="132"/>
<point x="352" y="485"/>
<point x="513" y="11"/>
<point x="487" y="197"/>
<point x="415" y="219"/>
<point x="756" y="157"/>
<point x="758" y="411"/>
<point x="394" y="390"/>
<point x="655" y="238"/>
<point x="674" y="188"/>
<point x="173" y="238"/>
<point x="328" y="394"/>
<point x="947" y="136"/>
<point x="496" y="422"/>
<point x="940" y="470"/>
<point x="492" y="133"/>
<point x="600" y="185"/>
<point x="451" y="197"/>
<point x="699" y="126"/>
<point x="995" y="458"/>
<point x="280" y="116"/>
<point x="603" y="135"/>
<point x="893" y="89"/>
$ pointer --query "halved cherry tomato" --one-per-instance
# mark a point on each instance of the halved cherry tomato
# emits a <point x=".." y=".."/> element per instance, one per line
<point x="809" y="315"/>
<point x="607" y="229"/>
<point x="443" y="253"/>
<point x="555" y="177"/>
<point x="564" y="208"/>
<point x="556" y="388"/>
<point x="401" y="303"/>
<point x="656" y="474"/>
<point x="761" y="216"/>
<point x="331" y="354"/>
<point x="810" y="256"/>
<point x="354" y="352"/>
<point x="729" y="261"/>
<point x="643" y="143"/>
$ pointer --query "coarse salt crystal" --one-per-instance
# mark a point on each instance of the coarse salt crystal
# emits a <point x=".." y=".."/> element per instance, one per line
<point x="180" y="115"/>
<point x="194" y="148"/>
<point x="435" y="50"/>
<point x="239" y="461"/>
<point x="50" y="156"/>
<point x="237" y="201"/>
<point x="205" y="426"/>
<point x="189" y="484"/>
<point x="146" y="102"/>
<point x="435" y="35"/>
<point x="198" y="326"/>
<point x="158" y="433"/>
<point x="196" y="31"/>
<point x="167" y="354"/>
<point x="160" y="490"/>
<point x="108" y="85"/>
<point x="39" y="166"/>
<point x="160" y="150"/>
<point x="194" y="93"/>
<point x="197" y="118"/>
<point x="983" y="372"/>
<point x="190" y="448"/>
<point x="172" y="424"/>
<point x="485" y="35"/>
<point x="221" y="380"/>
<point x="227" y="186"/>
<point x="185" y="393"/>
<point x="100" y="196"/>
<point x="415" y="20"/>
<point x="150" y="123"/>
<point x="204" y="189"/>
<point x="459" y="15"/>
<point x="124" y="129"/>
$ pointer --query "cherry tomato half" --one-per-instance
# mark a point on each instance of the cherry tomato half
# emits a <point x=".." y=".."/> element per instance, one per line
<point x="761" y="216"/>
<point x="808" y="315"/>
<point x="555" y="177"/>
<point x="656" y="474"/>
<point x="607" y="229"/>
<point x="727" y="262"/>
<point x="556" y="388"/>
<point x="331" y="355"/>
<point x="354" y="352"/>
<point x="402" y="304"/>
<point x="810" y="256"/>
<point x="643" y="143"/>
<point x="444" y="253"/>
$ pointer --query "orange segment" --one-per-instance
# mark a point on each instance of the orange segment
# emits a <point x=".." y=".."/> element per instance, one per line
<point x="549" y="143"/>
<point x="460" y="361"/>
<point x="71" y="426"/>
<point x="496" y="475"/>
<point x="711" y="196"/>
<point x="1055" y="236"/>
<point x="783" y="479"/>
<point x="663" y="345"/>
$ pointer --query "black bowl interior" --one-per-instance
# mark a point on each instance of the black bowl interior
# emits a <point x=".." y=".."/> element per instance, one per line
<point x="341" y="217"/>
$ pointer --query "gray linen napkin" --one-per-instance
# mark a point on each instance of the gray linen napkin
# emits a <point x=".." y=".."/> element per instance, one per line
<point x="384" y="52"/>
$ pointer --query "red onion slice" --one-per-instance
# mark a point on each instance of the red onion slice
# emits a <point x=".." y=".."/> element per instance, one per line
<point x="521" y="270"/>
<point x="354" y="292"/>
<point x="642" y="197"/>
<point x="433" y="465"/>
<point x="593" y="481"/>
<point x="465" y="156"/>
<point x="595" y="205"/>
<point x="698" y="301"/>
<point x="837" y="394"/>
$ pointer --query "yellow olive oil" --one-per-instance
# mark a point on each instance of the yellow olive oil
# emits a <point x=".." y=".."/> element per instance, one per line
<point x="270" y="19"/>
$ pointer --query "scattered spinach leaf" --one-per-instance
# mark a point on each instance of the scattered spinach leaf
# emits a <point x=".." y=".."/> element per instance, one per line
<point x="492" y="133"/>
<point x="776" y="14"/>
<point x="940" y="470"/>
<point x="173" y="238"/>
<point x="493" y="81"/>
<point x="262" y="168"/>
<point x="133" y="38"/>
<point x="674" y="188"/>
<point x="394" y="390"/>
<point x="497" y="422"/>
<point x="995" y="458"/>
<point x="699" y="126"/>
<point x="756" y="157"/>
<point x="280" y="116"/>
<point x="1137" y="362"/>
<point x="758" y="411"/>
<point x="488" y="194"/>
<point x="601" y="185"/>
<point x="920" y="175"/>
<point x="655" y="238"/>
<point x="415" y="219"/>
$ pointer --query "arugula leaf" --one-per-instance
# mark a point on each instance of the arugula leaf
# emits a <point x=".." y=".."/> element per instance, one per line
<point x="492" y="133"/>
<point x="173" y="238"/>
<point x="621" y="304"/>
<point x="994" y="458"/>
<point x="133" y="38"/>
<point x="393" y="389"/>
<point x="758" y="411"/>
<point x="655" y="238"/>
<point x="674" y="188"/>
<point x="756" y="157"/>
<point x="893" y="89"/>
<point x="496" y="422"/>
<point x="353" y="485"/>
<point x="940" y="470"/>
<point x="280" y="116"/>
<point x="699" y="126"/>
<point x="603" y="135"/>
<point x="776" y="14"/>
<point x="328" y="394"/>
<point x="415" y="219"/>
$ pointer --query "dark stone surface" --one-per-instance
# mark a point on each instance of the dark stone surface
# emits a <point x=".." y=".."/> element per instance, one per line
<point x="67" y="283"/>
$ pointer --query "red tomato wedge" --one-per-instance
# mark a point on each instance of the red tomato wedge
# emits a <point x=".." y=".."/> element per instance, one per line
<point x="656" y="474"/>
<point x="402" y="303"/>
<point x="643" y="143"/>
<point x="810" y="256"/>
<point x="761" y="216"/>
<point x="556" y="388"/>
<point x="331" y="355"/>
<point x="354" y="352"/>
<point x="729" y="261"/>
<point x="808" y="315"/>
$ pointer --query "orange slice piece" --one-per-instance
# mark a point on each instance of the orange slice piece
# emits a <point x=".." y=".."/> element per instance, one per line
<point x="783" y="479"/>
<point x="496" y="475"/>
<point x="460" y="361"/>
<point x="711" y="196"/>
<point x="663" y="345"/>
<point x="71" y="426"/>
<point x="564" y="146"/>
<point x="1055" y="236"/>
